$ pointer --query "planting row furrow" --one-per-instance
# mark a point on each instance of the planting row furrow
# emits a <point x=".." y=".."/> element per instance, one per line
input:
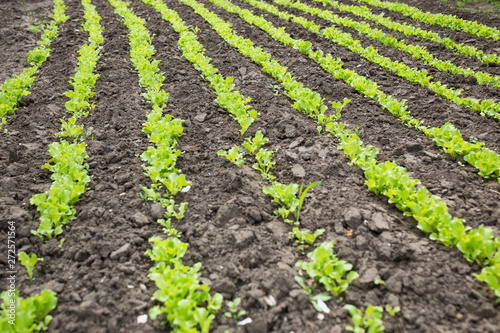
<point x="338" y="282"/>
<point x="185" y="301"/>
<point x="443" y="20"/>
<point x="416" y="51"/>
<point x="430" y="211"/>
<point x="14" y="89"/>
<point x="410" y="30"/>
<point x="447" y="137"/>
<point x="69" y="170"/>
<point x="485" y="107"/>
<point x="69" y="176"/>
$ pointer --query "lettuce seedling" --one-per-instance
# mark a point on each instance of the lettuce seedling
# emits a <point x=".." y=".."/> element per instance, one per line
<point x="285" y="195"/>
<point x="371" y="320"/>
<point x="392" y="310"/>
<point x="304" y="237"/>
<point x="29" y="263"/>
<point x="234" y="155"/>
<point x="265" y="163"/>
<point x="314" y="299"/>
<point x="69" y="129"/>
<point x="334" y="274"/>
<point x="253" y="144"/>
<point x="149" y="193"/>
<point x="233" y="309"/>
<point x="32" y="314"/>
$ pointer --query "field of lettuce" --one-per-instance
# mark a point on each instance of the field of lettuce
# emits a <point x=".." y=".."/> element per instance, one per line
<point x="249" y="166"/>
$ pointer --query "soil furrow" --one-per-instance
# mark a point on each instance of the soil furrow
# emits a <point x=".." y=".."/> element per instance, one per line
<point x="15" y="39"/>
<point x="481" y="43"/>
<point x="437" y="49"/>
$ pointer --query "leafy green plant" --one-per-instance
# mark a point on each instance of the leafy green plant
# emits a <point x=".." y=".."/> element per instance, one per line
<point x="334" y="274"/>
<point x="309" y="292"/>
<point x="70" y="130"/>
<point x="28" y="262"/>
<point x="285" y="195"/>
<point x="264" y="163"/>
<point x="186" y="303"/>
<point x="234" y="155"/>
<point x="443" y="20"/>
<point x="274" y="88"/>
<point x="31" y="314"/>
<point x="371" y="320"/>
<point x="253" y="144"/>
<point x="233" y="309"/>
<point x="36" y="29"/>
<point x="392" y="310"/>
<point x="14" y="89"/>
<point x="304" y="237"/>
<point x="69" y="175"/>
<point x="311" y="103"/>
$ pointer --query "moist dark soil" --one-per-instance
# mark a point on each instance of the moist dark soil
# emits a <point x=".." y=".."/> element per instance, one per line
<point x="15" y="39"/>
<point x="100" y="274"/>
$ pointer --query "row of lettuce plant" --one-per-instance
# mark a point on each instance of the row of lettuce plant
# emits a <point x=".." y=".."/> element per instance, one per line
<point x="443" y="20"/>
<point x="32" y="314"/>
<point x="14" y="89"/>
<point x="194" y="52"/>
<point x="447" y="137"/>
<point x="387" y="178"/>
<point x="416" y="51"/>
<point x="69" y="170"/>
<point x="485" y="107"/>
<point x="185" y="301"/>
<point x="410" y="30"/>
<point x="18" y="315"/>
<point x="227" y="97"/>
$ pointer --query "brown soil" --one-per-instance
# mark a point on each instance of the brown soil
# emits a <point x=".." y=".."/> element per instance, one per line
<point x="15" y="39"/>
<point x="229" y="225"/>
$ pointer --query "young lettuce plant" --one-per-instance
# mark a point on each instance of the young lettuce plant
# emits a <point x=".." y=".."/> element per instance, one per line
<point x="285" y="195"/>
<point x="334" y="274"/>
<point x="234" y="155"/>
<point x="32" y="314"/>
<point x="316" y="299"/>
<point x="28" y="262"/>
<point x="371" y="320"/>
<point x="233" y="309"/>
<point x="304" y="237"/>
<point x="265" y="163"/>
<point x="253" y="144"/>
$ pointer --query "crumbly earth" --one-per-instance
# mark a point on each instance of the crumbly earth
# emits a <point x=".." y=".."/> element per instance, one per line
<point x="100" y="274"/>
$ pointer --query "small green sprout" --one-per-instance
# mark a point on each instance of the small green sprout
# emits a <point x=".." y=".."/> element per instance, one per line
<point x="275" y="88"/>
<point x="371" y="320"/>
<point x="61" y="243"/>
<point x="233" y="309"/>
<point x="304" y="237"/>
<point x="234" y="155"/>
<point x="285" y="195"/>
<point x="29" y="263"/>
<point x="392" y="310"/>
<point x="324" y="296"/>
<point x="253" y="144"/>
<point x="265" y="163"/>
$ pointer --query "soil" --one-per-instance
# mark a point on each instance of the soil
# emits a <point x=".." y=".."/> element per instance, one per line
<point x="100" y="274"/>
<point x="15" y="39"/>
